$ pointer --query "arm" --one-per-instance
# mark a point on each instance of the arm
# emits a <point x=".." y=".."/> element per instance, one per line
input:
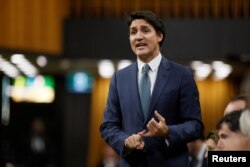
<point x="111" y="128"/>
<point x="191" y="127"/>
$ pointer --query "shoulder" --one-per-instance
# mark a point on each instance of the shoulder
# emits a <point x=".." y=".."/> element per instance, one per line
<point x="131" y="68"/>
<point x="176" y="67"/>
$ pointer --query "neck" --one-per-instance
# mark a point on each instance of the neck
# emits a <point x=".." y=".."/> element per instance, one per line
<point x="148" y="58"/>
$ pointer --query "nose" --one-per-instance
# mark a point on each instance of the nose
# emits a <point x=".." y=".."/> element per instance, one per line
<point x="220" y="144"/>
<point x="138" y="35"/>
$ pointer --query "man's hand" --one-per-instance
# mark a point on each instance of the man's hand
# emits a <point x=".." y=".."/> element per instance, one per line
<point x="156" y="128"/>
<point x="134" y="142"/>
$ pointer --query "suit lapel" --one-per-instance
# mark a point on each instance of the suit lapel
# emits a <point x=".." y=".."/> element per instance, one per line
<point x="160" y="83"/>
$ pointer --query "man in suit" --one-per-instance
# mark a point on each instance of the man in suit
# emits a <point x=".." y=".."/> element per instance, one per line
<point x="151" y="130"/>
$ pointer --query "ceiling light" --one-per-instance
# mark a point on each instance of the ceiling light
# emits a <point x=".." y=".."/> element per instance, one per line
<point x="203" y="71"/>
<point x="123" y="63"/>
<point x="41" y="61"/>
<point x="106" y="68"/>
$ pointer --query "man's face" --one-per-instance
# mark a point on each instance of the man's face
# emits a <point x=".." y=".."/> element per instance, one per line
<point x="230" y="140"/>
<point x="144" y="40"/>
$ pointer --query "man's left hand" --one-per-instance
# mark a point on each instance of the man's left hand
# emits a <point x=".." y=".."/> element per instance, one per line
<point x="156" y="128"/>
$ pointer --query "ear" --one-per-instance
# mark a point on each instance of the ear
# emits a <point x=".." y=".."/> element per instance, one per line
<point x="160" y="37"/>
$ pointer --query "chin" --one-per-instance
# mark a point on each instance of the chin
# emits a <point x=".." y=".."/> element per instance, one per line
<point x="142" y="54"/>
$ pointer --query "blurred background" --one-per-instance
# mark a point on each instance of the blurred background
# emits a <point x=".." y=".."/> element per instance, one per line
<point x="57" y="58"/>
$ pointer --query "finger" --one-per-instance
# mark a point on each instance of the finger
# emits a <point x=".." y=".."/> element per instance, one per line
<point x="138" y="139"/>
<point x="134" y="140"/>
<point x="131" y="141"/>
<point x="153" y="130"/>
<point x="128" y="143"/>
<point x="154" y="123"/>
<point x="148" y="134"/>
<point x="141" y="146"/>
<point x="159" y="117"/>
<point x="141" y="133"/>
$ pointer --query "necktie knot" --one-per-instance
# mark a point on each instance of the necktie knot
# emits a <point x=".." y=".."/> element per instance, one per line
<point x="145" y="68"/>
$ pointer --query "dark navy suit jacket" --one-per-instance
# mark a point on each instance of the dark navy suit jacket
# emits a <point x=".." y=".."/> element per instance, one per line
<point x="175" y="97"/>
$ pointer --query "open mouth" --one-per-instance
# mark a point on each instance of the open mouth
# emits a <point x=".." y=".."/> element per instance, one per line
<point x="139" y="45"/>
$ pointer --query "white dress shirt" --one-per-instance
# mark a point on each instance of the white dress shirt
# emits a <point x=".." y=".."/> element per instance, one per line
<point x="153" y="64"/>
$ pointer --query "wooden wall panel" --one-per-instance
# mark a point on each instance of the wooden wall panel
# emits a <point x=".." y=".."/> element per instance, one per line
<point x="96" y="143"/>
<point x="214" y="96"/>
<point x="36" y="25"/>
<point x="32" y="25"/>
<point x="165" y="8"/>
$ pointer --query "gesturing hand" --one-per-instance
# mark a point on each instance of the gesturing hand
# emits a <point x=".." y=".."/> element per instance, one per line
<point x="134" y="142"/>
<point x="156" y="128"/>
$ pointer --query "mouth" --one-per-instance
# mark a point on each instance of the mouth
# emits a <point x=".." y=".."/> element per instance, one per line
<point x="140" y="45"/>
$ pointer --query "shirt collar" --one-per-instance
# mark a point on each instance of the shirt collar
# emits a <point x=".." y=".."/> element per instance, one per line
<point x="153" y="64"/>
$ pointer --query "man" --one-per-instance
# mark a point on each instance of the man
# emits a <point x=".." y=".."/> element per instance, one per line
<point x="151" y="130"/>
<point x="231" y="137"/>
<point x="237" y="103"/>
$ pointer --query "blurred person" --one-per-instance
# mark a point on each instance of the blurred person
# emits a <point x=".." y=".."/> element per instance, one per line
<point x="211" y="141"/>
<point x="7" y="156"/>
<point x="236" y="103"/>
<point x="110" y="158"/>
<point x="151" y="129"/>
<point x="231" y="137"/>
<point x="38" y="149"/>
<point x="9" y="164"/>
<point x="197" y="150"/>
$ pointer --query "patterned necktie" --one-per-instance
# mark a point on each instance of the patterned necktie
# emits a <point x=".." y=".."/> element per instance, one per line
<point x="145" y="89"/>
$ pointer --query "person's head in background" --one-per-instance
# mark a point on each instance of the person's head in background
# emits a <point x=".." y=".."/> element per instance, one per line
<point x="236" y="103"/>
<point x="245" y="122"/>
<point x="212" y="140"/>
<point x="231" y="137"/>
<point x="38" y="126"/>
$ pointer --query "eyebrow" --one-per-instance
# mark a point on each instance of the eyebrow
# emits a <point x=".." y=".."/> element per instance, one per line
<point x="142" y="26"/>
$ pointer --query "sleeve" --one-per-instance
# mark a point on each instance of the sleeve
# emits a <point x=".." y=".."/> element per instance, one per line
<point x="191" y="126"/>
<point x="111" y="127"/>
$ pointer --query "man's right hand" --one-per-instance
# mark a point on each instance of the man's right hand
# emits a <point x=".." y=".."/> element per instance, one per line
<point x="134" y="142"/>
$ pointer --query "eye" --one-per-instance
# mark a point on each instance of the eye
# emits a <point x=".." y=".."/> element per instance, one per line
<point x="146" y="30"/>
<point x="132" y="32"/>
<point x="223" y="136"/>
